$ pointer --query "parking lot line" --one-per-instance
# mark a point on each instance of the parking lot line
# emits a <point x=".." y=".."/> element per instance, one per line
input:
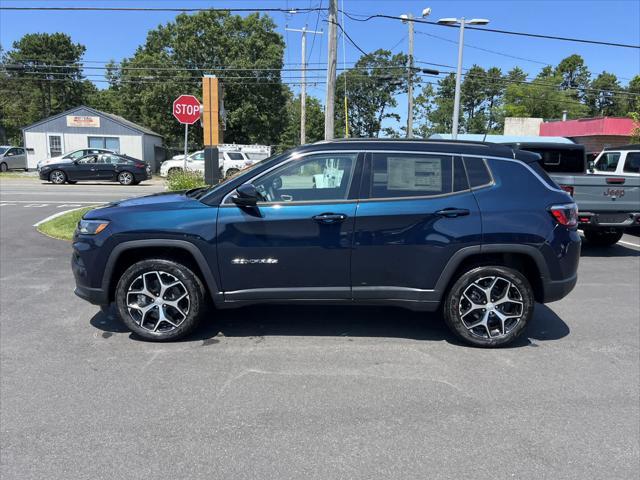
<point x="57" y="214"/>
<point x="629" y="243"/>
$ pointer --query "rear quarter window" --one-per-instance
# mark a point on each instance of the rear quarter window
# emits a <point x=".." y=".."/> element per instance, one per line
<point x="477" y="172"/>
<point x="536" y="167"/>
<point x="632" y="163"/>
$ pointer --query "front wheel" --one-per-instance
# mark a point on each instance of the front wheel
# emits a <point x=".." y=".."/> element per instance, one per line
<point x="231" y="172"/>
<point x="160" y="299"/>
<point x="58" y="177"/>
<point x="489" y="306"/>
<point x="125" y="178"/>
<point x="603" y="238"/>
<point x="3" y="167"/>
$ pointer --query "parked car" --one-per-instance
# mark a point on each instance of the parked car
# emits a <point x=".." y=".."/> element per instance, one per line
<point x="608" y="204"/>
<point x="414" y="224"/>
<point x="13" y="158"/>
<point x="102" y="166"/>
<point x="230" y="163"/>
<point x="71" y="156"/>
<point x="617" y="161"/>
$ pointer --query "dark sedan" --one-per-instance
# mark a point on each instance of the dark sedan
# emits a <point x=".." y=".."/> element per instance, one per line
<point x="104" y="166"/>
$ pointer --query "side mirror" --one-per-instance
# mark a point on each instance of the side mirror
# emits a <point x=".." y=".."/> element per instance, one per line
<point x="591" y="166"/>
<point x="246" y="195"/>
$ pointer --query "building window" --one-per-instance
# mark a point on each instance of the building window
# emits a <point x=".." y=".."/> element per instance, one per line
<point x="55" y="145"/>
<point x="110" y="143"/>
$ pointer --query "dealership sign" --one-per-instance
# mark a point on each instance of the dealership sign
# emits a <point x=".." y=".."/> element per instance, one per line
<point x="186" y="109"/>
<point x="83" y="121"/>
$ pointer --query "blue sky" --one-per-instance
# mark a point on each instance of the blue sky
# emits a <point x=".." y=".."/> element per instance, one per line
<point x="114" y="35"/>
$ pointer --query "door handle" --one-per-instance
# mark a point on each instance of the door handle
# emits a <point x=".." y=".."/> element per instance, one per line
<point x="453" y="212"/>
<point x="329" y="218"/>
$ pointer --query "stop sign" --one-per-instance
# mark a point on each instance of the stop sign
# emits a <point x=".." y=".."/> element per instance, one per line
<point x="186" y="109"/>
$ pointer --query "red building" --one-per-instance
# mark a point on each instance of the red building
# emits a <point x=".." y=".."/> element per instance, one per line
<point x="593" y="133"/>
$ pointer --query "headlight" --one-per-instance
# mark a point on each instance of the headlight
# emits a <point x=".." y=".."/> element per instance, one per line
<point x="92" y="227"/>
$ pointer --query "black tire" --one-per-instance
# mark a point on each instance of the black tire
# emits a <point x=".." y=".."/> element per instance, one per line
<point x="72" y="182"/>
<point x="173" y="171"/>
<point x="58" y="177"/>
<point x="603" y="238"/>
<point x="189" y="281"/>
<point x="231" y="172"/>
<point x="460" y="321"/>
<point x="4" y="167"/>
<point x="126" y="178"/>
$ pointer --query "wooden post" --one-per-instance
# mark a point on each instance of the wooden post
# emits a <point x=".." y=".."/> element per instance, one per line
<point x="211" y="111"/>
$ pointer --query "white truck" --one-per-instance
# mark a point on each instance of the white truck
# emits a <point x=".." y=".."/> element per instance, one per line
<point x="230" y="163"/>
<point x="617" y="161"/>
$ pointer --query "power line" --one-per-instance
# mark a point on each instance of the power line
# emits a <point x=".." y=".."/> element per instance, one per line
<point x="494" y="30"/>
<point x="290" y="11"/>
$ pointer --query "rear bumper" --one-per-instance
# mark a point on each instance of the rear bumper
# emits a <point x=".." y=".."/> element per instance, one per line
<point x="608" y="219"/>
<point x="557" y="289"/>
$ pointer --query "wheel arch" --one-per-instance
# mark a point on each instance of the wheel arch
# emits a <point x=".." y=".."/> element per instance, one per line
<point x="125" y="254"/>
<point x="525" y="258"/>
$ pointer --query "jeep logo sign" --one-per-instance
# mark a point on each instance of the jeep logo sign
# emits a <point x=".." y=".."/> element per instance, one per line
<point x="614" y="193"/>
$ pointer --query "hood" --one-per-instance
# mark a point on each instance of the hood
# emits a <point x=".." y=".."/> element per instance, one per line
<point x="157" y="202"/>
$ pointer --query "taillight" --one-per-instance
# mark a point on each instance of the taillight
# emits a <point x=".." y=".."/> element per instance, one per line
<point x="568" y="189"/>
<point x="566" y="215"/>
<point x="140" y="165"/>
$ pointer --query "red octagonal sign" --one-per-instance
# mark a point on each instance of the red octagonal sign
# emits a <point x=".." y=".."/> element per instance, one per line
<point x="186" y="108"/>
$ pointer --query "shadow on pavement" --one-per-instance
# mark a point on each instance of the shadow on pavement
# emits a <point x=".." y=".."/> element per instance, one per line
<point x="617" y="250"/>
<point x="337" y="321"/>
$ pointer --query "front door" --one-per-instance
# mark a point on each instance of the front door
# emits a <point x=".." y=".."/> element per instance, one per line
<point x="416" y="212"/>
<point x="297" y="242"/>
<point x="83" y="169"/>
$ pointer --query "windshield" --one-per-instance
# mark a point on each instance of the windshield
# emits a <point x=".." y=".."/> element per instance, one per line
<point x="3" y="149"/>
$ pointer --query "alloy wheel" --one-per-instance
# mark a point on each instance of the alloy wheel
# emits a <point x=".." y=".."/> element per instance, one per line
<point x="491" y="307"/>
<point x="125" y="178"/>
<point x="57" y="176"/>
<point x="158" y="302"/>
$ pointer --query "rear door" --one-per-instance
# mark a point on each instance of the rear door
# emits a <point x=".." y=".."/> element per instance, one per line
<point x="416" y="212"/>
<point x="106" y="166"/>
<point x="297" y="243"/>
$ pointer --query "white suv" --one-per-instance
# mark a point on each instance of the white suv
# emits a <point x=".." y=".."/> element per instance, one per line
<point x="230" y="163"/>
<point x="617" y="161"/>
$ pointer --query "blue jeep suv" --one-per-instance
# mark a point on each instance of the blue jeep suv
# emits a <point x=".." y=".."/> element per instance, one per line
<point x="475" y="229"/>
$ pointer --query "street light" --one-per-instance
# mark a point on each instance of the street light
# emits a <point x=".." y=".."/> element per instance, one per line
<point x="408" y="18"/>
<point x="456" y="102"/>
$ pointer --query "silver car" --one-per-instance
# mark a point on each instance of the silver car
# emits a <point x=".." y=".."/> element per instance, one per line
<point x="12" y="158"/>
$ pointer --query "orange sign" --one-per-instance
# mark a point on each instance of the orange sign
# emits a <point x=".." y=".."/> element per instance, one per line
<point x="83" y="121"/>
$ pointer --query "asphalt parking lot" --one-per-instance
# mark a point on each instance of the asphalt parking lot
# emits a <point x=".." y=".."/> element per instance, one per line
<point x="313" y="392"/>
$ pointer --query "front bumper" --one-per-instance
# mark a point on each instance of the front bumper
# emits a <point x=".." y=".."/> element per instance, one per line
<point x="608" y="219"/>
<point x="94" y="295"/>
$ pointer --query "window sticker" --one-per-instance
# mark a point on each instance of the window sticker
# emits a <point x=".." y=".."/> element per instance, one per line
<point x="423" y="174"/>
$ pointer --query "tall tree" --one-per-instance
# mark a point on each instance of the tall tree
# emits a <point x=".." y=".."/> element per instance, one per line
<point x="442" y="111"/>
<point x="604" y="97"/>
<point x="314" y="126"/>
<point x="245" y="52"/>
<point x="574" y="75"/>
<point x="372" y="86"/>
<point x="42" y="77"/>
<point x="473" y="98"/>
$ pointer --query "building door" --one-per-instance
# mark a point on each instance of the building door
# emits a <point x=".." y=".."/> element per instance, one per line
<point x="55" y="145"/>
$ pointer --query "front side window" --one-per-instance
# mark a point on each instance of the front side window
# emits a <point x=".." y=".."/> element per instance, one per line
<point x="315" y="178"/>
<point x="77" y="154"/>
<point x="608" y="162"/>
<point x="632" y="163"/>
<point x="405" y="175"/>
<point x="89" y="159"/>
<point x="197" y="157"/>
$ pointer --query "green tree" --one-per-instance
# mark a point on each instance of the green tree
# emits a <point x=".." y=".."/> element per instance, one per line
<point x="314" y="125"/>
<point x="494" y="87"/>
<point x="245" y="52"/>
<point x="41" y="77"/>
<point x="633" y="94"/>
<point x="440" y="116"/>
<point x="604" y="98"/>
<point x="472" y="100"/>
<point x="372" y="87"/>
<point x="574" y="75"/>
<point x="423" y="106"/>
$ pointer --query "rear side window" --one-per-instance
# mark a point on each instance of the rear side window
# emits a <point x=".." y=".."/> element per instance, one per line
<point x="632" y="164"/>
<point x="477" y="171"/>
<point x="406" y="175"/>
<point x="535" y="166"/>
<point x="608" y="162"/>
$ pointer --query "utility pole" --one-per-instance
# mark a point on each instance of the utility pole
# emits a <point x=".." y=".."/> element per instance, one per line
<point x="331" y="71"/>
<point x="410" y="81"/>
<point x="456" y="98"/>
<point x="303" y="86"/>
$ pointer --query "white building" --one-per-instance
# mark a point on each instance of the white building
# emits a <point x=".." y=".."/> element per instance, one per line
<point x="83" y="127"/>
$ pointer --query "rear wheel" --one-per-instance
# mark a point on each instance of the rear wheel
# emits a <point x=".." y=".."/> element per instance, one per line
<point x="173" y="171"/>
<point x="489" y="306"/>
<point x="58" y="177"/>
<point x="3" y="167"/>
<point x="160" y="299"/>
<point x="231" y="172"/>
<point x="125" y="178"/>
<point x="603" y="238"/>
